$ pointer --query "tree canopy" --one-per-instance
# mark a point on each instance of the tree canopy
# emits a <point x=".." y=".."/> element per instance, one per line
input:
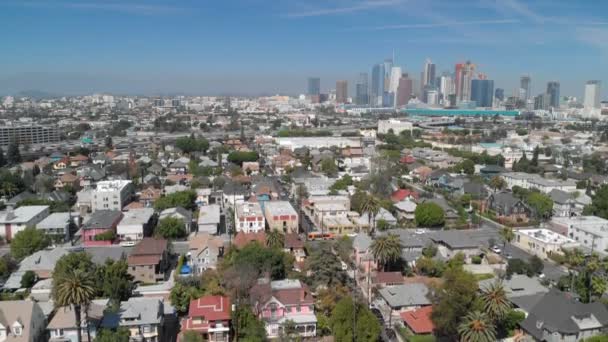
<point x="365" y="326"/>
<point x="192" y="144"/>
<point x="429" y="214"/>
<point x="27" y="242"/>
<point x="239" y="157"/>
<point x="183" y="199"/>
<point x="171" y="228"/>
<point x="599" y="203"/>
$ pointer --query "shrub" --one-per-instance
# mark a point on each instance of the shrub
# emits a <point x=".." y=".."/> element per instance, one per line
<point x="476" y="259"/>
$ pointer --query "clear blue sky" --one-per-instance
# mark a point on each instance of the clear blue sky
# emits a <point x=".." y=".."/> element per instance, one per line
<point x="271" y="46"/>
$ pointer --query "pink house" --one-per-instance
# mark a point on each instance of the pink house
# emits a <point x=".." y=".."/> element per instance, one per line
<point x="100" y="228"/>
<point x="277" y="302"/>
<point x="364" y="260"/>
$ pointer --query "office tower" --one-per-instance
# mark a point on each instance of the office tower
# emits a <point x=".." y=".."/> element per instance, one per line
<point x="482" y="92"/>
<point x="362" y="90"/>
<point x="432" y="96"/>
<point x="592" y="94"/>
<point x="377" y="91"/>
<point x="499" y="94"/>
<point x="393" y="85"/>
<point x="404" y="91"/>
<point x="388" y="67"/>
<point x="464" y="75"/>
<point x="428" y="74"/>
<point x="525" y="87"/>
<point x="341" y="91"/>
<point x="553" y="94"/>
<point x="539" y="102"/>
<point x="446" y="86"/>
<point x="314" y="86"/>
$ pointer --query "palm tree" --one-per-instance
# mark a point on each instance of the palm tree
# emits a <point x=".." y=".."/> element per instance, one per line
<point x="507" y="235"/>
<point x="497" y="183"/>
<point x="495" y="302"/>
<point x="275" y="239"/>
<point x="386" y="249"/>
<point x="75" y="288"/>
<point x="476" y="327"/>
<point x="371" y="206"/>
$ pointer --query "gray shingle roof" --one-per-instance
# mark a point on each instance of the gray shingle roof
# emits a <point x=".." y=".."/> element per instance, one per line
<point x="414" y="294"/>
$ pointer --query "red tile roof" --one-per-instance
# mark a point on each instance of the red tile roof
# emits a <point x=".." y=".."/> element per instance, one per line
<point x="208" y="309"/>
<point x="388" y="278"/>
<point x="419" y="321"/>
<point x="401" y="194"/>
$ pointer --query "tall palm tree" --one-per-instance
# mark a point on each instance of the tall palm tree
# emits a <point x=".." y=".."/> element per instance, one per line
<point x="477" y="327"/>
<point x="386" y="249"/>
<point x="507" y="235"/>
<point x="371" y="206"/>
<point x="275" y="239"/>
<point x="495" y="302"/>
<point x="75" y="288"/>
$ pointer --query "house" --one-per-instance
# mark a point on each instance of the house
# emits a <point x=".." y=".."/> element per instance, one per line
<point x="281" y="301"/>
<point x="504" y="204"/>
<point x="281" y="216"/>
<point x="476" y="190"/>
<point x="233" y="193"/>
<point x="12" y="221"/>
<point x="148" y="196"/>
<point x="382" y="215"/>
<point x="560" y="317"/>
<point x="202" y="196"/>
<point x="450" y="214"/>
<point x="419" y="320"/>
<point x="21" y="320"/>
<point x="135" y="224"/>
<point x="533" y="181"/>
<point x="542" y="242"/>
<point x="90" y="175"/>
<point x="403" y="194"/>
<point x="491" y="171"/>
<point x="452" y="242"/>
<point x="112" y="195"/>
<point x="249" y="218"/>
<point x="209" y="219"/>
<point x="178" y="168"/>
<point x="78" y="160"/>
<point x="251" y="168"/>
<point x="400" y="298"/>
<point x="383" y="279"/>
<point x="522" y="291"/>
<point x="567" y="204"/>
<point x="590" y="231"/>
<point x="178" y="212"/>
<point x="62" y="327"/>
<point x="68" y="180"/>
<point x="209" y="316"/>
<point x="204" y="251"/>
<point x="330" y="213"/>
<point x="42" y="263"/>
<point x="243" y="239"/>
<point x="149" y="260"/>
<point x="56" y="226"/>
<point x="100" y="228"/>
<point x="294" y="245"/>
<point x="362" y="253"/>
<point x="142" y="316"/>
<point x="406" y="210"/>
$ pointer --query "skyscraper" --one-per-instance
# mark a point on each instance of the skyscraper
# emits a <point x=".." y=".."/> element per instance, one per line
<point x="362" y="91"/>
<point x="388" y="67"/>
<point x="552" y="94"/>
<point x="540" y="102"/>
<point x="428" y="74"/>
<point x="314" y="86"/>
<point x="464" y="75"/>
<point x="482" y="92"/>
<point x="377" y="91"/>
<point x="393" y="85"/>
<point x="525" y="83"/>
<point x="404" y="91"/>
<point x="499" y="94"/>
<point x="446" y="86"/>
<point x="341" y="91"/>
<point x="592" y="94"/>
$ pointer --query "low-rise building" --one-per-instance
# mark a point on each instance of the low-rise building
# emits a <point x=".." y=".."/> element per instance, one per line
<point x="112" y="195"/>
<point x="149" y="260"/>
<point x="135" y="224"/>
<point x="209" y="219"/>
<point x="590" y="231"/>
<point x="210" y="317"/>
<point x="12" y="221"/>
<point x="56" y="226"/>
<point x="142" y="316"/>
<point x="180" y="213"/>
<point x="100" y="228"/>
<point x="62" y="327"/>
<point x="400" y="298"/>
<point x="281" y="216"/>
<point x="248" y="218"/>
<point x="534" y="181"/>
<point x="542" y="242"/>
<point x="204" y="251"/>
<point x="21" y="320"/>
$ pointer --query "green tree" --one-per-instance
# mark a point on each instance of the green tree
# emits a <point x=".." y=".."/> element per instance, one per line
<point x="453" y="300"/>
<point x="429" y="214"/>
<point x="329" y="167"/>
<point x="364" y="326"/>
<point x="192" y="336"/>
<point x="497" y="183"/>
<point x="74" y="288"/>
<point x="371" y="206"/>
<point x="27" y="242"/>
<point x="247" y="326"/>
<point x="171" y="228"/>
<point x="507" y="235"/>
<point x="382" y="225"/>
<point x="181" y="295"/>
<point x="239" y="157"/>
<point x="116" y="282"/>
<point x="275" y="239"/>
<point x="184" y="199"/>
<point x="325" y="267"/>
<point x="541" y="204"/>
<point x="535" y="265"/>
<point x="599" y="203"/>
<point x="192" y="144"/>
<point x="495" y="302"/>
<point x="386" y="249"/>
<point x="477" y="327"/>
<point x="107" y="335"/>
<point x="467" y="166"/>
<point x="430" y="250"/>
<point x="13" y="155"/>
<point x="517" y="266"/>
<point x="28" y="279"/>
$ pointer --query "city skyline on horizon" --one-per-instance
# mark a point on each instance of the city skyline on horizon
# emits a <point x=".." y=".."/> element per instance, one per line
<point x="160" y="47"/>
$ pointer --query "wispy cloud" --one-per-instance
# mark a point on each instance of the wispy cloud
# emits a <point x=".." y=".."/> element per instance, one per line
<point x="355" y="7"/>
<point x="122" y="7"/>
<point x="440" y="25"/>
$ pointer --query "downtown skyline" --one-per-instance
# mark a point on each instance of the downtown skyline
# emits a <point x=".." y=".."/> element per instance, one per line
<point x="160" y="47"/>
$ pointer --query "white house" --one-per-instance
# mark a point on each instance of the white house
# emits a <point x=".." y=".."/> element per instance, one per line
<point x="134" y="225"/>
<point x="209" y="219"/>
<point x="12" y="221"/>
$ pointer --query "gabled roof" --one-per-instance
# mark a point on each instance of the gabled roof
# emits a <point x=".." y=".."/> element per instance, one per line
<point x="414" y="294"/>
<point x="21" y="311"/>
<point x="419" y="320"/>
<point x="505" y="199"/>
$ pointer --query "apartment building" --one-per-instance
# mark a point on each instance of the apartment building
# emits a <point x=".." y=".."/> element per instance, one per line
<point x="112" y="195"/>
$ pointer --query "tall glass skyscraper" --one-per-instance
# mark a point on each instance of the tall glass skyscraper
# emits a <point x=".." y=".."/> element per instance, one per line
<point x="553" y="94"/>
<point x="362" y="90"/>
<point x="482" y="92"/>
<point x="314" y="86"/>
<point x="525" y="87"/>
<point x="377" y="91"/>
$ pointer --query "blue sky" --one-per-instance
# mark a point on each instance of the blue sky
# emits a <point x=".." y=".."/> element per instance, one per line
<point x="271" y="46"/>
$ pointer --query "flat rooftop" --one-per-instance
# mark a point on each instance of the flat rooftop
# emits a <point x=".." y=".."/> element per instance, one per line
<point x="546" y="236"/>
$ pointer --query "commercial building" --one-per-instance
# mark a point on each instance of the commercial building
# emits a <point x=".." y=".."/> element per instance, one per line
<point x="249" y="218"/>
<point x="482" y="92"/>
<point x="525" y="88"/>
<point x="464" y="75"/>
<point x="428" y="74"/>
<point x="397" y="126"/>
<point x="112" y="195"/>
<point x="28" y="134"/>
<point x="377" y="90"/>
<point x="499" y="94"/>
<point x="592" y="94"/>
<point x="362" y="90"/>
<point x="404" y="91"/>
<point x="542" y="242"/>
<point x="553" y="94"/>
<point x="314" y="86"/>
<point x="281" y="216"/>
<point x="341" y="91"/>
<point x="457" y="112"/>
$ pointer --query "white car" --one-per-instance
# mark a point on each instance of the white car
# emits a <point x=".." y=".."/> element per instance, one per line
<point x="496" y="249"/>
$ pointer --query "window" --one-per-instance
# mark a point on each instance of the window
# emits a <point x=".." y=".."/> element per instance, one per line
<point x="58" y="332"/>
<point x="147" y="329"/>
<point x="17" y="331"/>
